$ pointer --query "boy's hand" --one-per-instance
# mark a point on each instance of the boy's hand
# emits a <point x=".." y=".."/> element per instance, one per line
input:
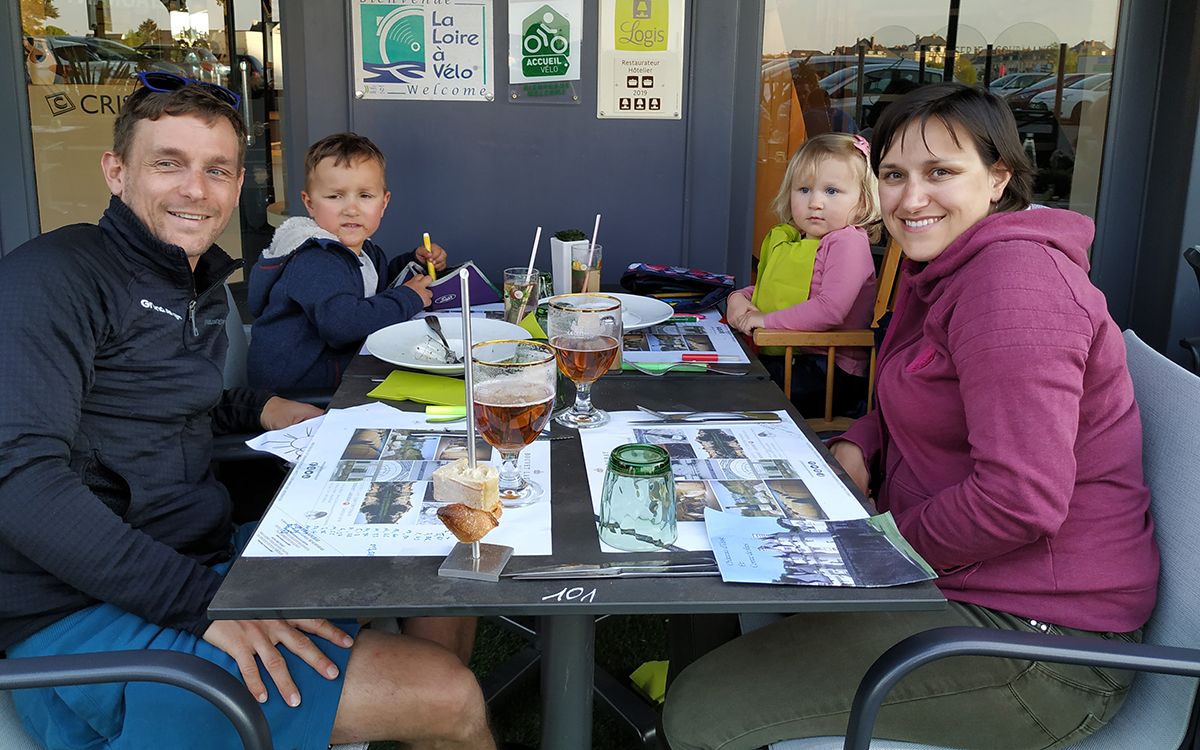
<point x="435" y="254"/>
<point x="280" y="412"/>
<point x="420" y="285"/>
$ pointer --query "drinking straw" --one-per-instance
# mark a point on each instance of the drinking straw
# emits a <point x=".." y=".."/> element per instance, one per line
<point x="429" y="259"/>
<point x="464" y="296"/>
<point x="591" y="255"/>
<point x="537" y="238"/>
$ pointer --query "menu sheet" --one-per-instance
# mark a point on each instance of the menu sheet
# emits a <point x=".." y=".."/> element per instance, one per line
<point x="767" y="469"/>
<point x="364" y="488"/>
<point x="668" y="342"/>
<point x="866" y="552"/>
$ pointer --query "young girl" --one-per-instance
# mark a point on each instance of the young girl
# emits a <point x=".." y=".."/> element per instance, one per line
<point x="828" y="195"/>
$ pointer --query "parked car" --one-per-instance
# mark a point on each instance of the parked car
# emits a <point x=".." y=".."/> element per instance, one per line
<point x="196" y="62"/>
<point x="1007" y="85"/>
<point x="1024" y="97"/>
<point x="883" y="83"/>
<point x="1083" y="91"/>
<point x="85" y="59"/>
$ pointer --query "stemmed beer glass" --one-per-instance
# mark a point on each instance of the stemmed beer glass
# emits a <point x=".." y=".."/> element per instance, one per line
<point x="585" y="331"/>
<point x="512" y="385"/>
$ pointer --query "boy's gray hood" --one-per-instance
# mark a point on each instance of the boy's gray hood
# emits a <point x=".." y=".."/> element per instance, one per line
<point x="293" y="233"/>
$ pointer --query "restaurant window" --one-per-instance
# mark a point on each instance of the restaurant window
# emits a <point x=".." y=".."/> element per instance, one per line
<point x="81" y="62"/>
<point x="835" y="66"/>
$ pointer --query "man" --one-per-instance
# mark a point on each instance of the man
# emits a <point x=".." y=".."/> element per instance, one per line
<point x="114" y="533"/>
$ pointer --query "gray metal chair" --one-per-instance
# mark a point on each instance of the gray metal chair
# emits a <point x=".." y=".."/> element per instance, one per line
<point x="186" y="671"/>
<point x="1158" y="712"/>
<point x="1192" y="343"/>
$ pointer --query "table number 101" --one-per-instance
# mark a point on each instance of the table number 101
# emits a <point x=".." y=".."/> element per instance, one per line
<point x="575" y="594"/>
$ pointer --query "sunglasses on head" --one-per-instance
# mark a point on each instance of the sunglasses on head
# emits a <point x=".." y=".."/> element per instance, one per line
<point x="167" y="82"/>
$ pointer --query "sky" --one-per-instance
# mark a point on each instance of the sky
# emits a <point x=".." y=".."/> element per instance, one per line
<point x="825" y="24"/>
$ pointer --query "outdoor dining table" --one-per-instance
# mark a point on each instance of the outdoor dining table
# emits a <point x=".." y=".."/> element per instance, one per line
<point x="370" y="587"/>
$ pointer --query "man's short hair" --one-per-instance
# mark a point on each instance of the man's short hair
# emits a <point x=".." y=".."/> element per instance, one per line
<point x="193" y="99"/>
<point x="344" y="149"/>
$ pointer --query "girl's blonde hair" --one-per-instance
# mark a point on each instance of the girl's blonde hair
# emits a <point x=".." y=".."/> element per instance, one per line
<point x="804" y="164"/>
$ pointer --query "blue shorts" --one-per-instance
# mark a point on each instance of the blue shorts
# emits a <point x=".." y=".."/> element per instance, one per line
<point x="140" y="715"/>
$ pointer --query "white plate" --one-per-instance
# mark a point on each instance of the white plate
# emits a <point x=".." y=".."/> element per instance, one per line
<point x="637" y="311"/>
<point x="398" y="343"/>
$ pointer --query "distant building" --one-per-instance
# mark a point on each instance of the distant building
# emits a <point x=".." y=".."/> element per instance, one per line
<point x="1093" y="57"/>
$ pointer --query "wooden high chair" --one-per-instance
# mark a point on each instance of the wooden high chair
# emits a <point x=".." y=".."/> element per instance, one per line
<point x="831" y="340"/>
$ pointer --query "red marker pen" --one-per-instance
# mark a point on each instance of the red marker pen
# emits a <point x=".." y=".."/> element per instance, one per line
<point x="696" y="357"/>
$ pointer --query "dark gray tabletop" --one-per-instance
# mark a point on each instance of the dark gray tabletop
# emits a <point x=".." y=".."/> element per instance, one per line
<point x="410" y="586"/>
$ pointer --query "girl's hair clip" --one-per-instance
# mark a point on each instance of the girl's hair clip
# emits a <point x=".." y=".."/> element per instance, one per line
<point x="863" y="145"/>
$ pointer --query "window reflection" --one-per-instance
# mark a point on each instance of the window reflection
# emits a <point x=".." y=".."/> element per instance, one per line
<point x="835" y="65"/>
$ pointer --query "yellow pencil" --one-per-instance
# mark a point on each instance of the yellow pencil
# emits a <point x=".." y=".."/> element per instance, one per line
<point x="429" y="260"/>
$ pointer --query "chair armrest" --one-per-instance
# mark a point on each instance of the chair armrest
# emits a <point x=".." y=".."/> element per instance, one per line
<point x="939" y="643"/>
<point x="1193" y="346"/>
<point x="784" y="337"/>
<point x="186" y="671"/>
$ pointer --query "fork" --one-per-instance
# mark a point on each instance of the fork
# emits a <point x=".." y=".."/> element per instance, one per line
<point x="658" y="371"/>
<point x="436" y="326"/>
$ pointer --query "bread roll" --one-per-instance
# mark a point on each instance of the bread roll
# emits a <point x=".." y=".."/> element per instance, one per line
<point x="468" y="524"/>
<point x="477" y="488"/>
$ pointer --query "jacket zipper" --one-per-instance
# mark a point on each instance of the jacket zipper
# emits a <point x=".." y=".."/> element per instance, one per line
<point x="194" y="302"/>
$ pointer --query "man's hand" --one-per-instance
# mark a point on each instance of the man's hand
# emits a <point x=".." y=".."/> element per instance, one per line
<point x="420" y="285"/>
<point x="280" y="412"/>
<point x="245" y="639"/>
<point x="435" y="254"/>
<point x="850" y="456"/>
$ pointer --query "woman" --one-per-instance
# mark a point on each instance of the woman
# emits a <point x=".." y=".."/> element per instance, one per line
<point x="1007" y="446"/>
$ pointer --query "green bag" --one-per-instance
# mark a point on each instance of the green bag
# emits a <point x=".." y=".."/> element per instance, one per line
<point x="785" y="269"/>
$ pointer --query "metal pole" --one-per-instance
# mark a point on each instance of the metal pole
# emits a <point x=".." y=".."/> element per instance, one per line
<point x="951" y="42"/>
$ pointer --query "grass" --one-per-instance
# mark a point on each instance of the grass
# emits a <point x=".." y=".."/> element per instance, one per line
<point x="623" y="642"/>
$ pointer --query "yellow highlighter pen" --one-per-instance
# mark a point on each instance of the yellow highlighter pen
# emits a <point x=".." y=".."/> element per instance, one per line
<point x="429" y="260"/>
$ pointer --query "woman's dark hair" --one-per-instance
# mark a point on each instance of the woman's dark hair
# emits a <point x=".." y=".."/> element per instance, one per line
<point x="984" y="117"/>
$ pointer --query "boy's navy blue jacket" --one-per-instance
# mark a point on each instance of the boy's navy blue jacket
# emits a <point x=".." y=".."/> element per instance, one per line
<point x="111" y="351"/>
<point x="306" y="292"/>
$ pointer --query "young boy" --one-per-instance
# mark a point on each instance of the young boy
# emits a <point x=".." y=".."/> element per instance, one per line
<point x="323" y="286"/>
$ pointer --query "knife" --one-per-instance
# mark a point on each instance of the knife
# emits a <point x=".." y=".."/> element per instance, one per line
<point x="698" y="417"/>
<point x="646" y="569"/>
<point x="749" y="416"/>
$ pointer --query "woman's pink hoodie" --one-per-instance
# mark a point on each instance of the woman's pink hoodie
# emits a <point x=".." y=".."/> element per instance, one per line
<point x="1007" y="435"/>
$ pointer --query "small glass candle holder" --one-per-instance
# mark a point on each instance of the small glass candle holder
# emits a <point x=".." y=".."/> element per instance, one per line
<point x="637" y="504"/>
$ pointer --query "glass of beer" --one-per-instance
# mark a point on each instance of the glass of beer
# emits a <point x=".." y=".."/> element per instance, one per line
<point x="512" y="387"/>
<point x="520" y="293"/>
<point x="585" y="331"/>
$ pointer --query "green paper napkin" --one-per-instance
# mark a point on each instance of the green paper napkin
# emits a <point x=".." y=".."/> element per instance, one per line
<point x="422" y="388"/>
<point x="530" y="324"/>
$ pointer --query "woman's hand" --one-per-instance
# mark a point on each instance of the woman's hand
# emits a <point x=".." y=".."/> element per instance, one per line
<point x="850" y="456"/>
